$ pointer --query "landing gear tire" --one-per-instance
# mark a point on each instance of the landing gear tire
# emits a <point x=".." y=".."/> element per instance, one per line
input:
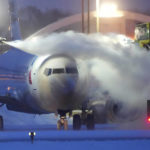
<point x="1" y="123"/>
<point x="76" y="122"/>
<point x="90" y="122"/>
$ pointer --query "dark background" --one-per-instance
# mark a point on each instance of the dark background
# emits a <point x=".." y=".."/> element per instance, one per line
<point x="36" y="14"/>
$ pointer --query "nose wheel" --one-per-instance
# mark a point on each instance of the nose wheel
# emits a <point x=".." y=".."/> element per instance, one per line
<point x="62" y="123"/>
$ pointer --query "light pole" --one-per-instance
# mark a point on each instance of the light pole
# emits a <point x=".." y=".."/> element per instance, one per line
<point x="97" y="15"/>
<point x="82" y="16"/>
<point x="88" y="20"/>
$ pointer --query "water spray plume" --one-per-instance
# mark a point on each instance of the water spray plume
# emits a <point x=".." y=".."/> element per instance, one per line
<point x="112" y="61"/>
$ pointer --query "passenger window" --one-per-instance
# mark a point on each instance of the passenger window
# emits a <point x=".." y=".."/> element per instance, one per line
<point x="48" y="71"/>
<point x="58" y="71"/>
<point x="72" y="70"/>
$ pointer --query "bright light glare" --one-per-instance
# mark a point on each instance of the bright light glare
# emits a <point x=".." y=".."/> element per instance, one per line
<point x="32" y="133"/>
<point x="148" y="119"/>
<point x="8" y="88"/>
<point x="109" y="10"/>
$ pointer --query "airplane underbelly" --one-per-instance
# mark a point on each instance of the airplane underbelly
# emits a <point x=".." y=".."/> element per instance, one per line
<point x="53" y="102"/>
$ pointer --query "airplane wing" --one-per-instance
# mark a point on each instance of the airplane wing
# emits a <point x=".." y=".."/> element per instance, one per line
<point x="14" y="104"/>
<point x="13" y="91"/>
<point x="11" y="86"/>
<point x="8" y="100"/>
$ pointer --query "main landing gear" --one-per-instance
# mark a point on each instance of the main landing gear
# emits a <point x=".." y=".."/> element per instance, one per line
<point x="83" y="118"/>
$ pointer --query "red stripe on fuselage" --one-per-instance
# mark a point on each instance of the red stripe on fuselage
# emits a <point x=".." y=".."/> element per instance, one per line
<point x="30" y="80"/>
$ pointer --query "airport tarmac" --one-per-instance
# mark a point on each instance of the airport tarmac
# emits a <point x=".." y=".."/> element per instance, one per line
<point x="105" y="139"/>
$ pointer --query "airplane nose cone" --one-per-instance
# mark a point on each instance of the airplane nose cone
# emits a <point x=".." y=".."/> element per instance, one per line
<point x="69" y="85"/>
<point x="63" y="85"/>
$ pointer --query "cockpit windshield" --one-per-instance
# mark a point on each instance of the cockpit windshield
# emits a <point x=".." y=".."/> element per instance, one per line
<point x="68" y="70"/>
<point x="58" y="70"/>
<point x="71" y="70"/>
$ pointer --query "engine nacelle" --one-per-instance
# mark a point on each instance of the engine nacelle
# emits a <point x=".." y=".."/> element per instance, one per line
<point x="114" y="111"/>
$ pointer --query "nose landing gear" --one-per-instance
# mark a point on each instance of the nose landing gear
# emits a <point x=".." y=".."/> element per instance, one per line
<point x="62" y="123"/>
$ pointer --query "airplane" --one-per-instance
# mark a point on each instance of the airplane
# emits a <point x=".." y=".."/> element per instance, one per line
<point x="51" y="86"/>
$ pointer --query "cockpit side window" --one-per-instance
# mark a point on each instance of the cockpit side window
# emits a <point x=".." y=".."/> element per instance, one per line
<point x="71" y="70"/>
<point x="47" y="71"/>
<point x="58" y="70"/>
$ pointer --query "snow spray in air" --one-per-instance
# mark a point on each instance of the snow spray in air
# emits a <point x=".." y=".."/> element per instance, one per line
<point x="110" y="63"/>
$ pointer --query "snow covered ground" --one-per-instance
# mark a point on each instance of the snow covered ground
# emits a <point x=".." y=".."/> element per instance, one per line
<point x="88" y="145"/>
<point x="125" y="136"/>
<point x="75" y="140"/>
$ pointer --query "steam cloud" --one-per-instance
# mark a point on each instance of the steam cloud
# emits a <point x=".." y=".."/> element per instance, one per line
<point x="109" y="62"/>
